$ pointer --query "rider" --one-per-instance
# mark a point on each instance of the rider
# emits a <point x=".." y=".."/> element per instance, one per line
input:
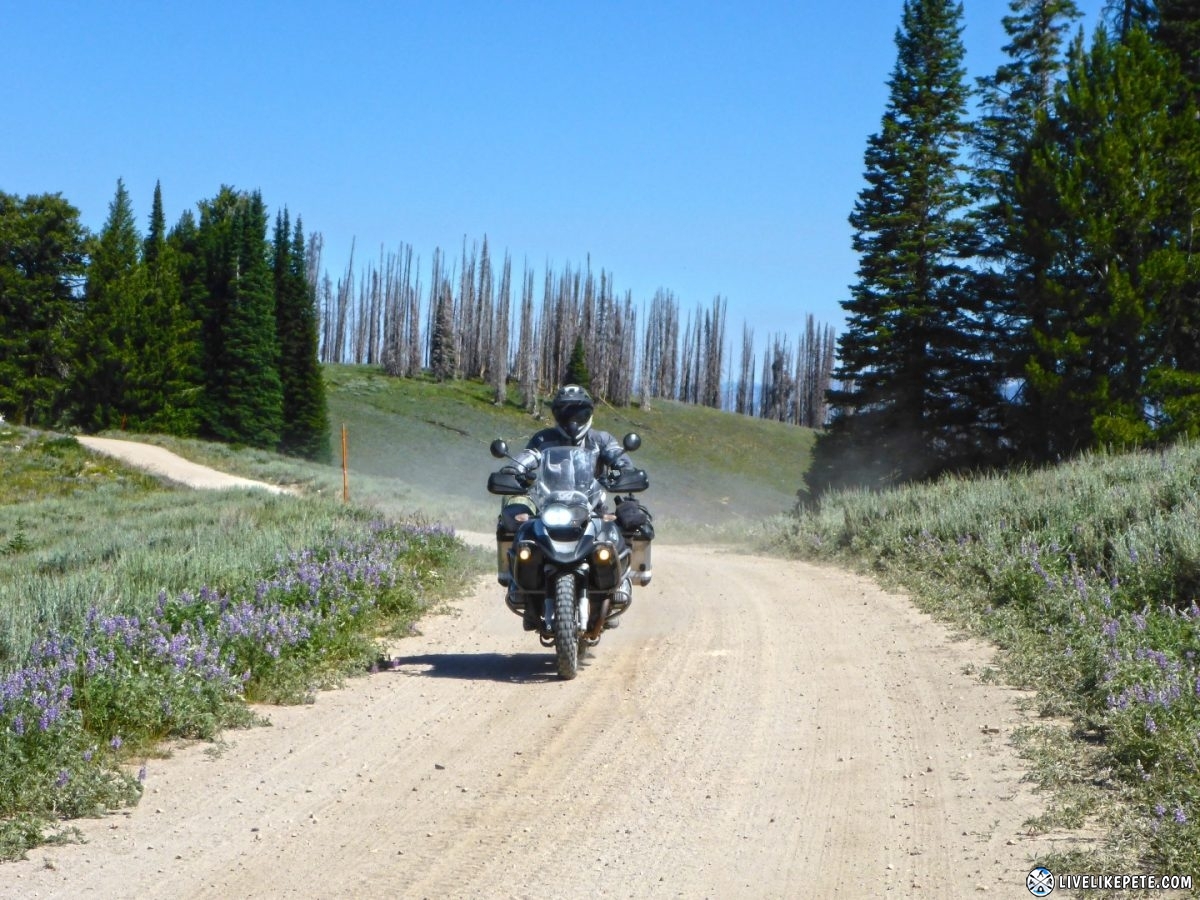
<point x="572" y="409"/>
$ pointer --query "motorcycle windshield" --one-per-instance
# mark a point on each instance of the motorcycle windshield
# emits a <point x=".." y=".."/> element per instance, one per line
<point x="567" y="475"/>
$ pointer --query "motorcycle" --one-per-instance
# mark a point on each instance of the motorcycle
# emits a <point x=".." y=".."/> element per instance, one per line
<point x="571" y="560"/>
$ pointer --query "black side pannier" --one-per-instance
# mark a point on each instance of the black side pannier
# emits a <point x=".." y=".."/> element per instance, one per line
<point x="635" y="520"/>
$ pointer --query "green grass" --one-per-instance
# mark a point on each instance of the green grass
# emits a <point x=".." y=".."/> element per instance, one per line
<point x="423" y="444"/>
<point x="418" y="447"/>
<point x="132" y="611"/>
<point x="1088" y="576"/>
<point x="80" y="531"/>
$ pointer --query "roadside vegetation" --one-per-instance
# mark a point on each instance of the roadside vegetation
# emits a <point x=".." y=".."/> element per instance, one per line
<point x="1087" y="575"/>
<point x="133" y="612"/>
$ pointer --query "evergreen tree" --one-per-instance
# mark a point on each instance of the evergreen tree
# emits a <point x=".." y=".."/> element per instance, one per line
<point x="918" y="391"/>
<point x="41" y="262"/>
<point x="442" y="356"/>
<point x="1106" y="206"/>
<point x="243" y="396"/>
<point x="111" y="326"/>
<point x="305" y="426"/>
<point x="1010" y="101"/>
<point x="1178" y="31"/>
<point x="577" y="368"/>
<point x="165" y="381"/>
<point x="156" y="238"/>
<point x="1125" y="16"/>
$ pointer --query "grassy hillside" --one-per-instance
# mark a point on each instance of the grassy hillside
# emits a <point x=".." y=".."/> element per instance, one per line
<point x="427" y="444"/>
<point x="418" y="446"/>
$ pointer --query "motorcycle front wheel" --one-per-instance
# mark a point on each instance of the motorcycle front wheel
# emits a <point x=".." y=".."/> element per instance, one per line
<point x="566" y="626"/>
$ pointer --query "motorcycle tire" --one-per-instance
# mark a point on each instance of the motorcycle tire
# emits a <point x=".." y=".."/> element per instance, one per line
<point x="566" y="626"/>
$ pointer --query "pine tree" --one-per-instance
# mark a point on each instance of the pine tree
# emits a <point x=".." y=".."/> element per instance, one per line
<point x="1106" y="206"/>
<point x="243" y="393"/>
<point x="1178" y="31"/>
<point x="112" y="327"/>
<point x="1010" y="101"/>
<point x="443" y="357"/>
<point x="156" y="237"/>
<point x="912" y="354"/>
<point x="165" y="379"/>
<point x="305" y="417"/>
<point x="577" y="368"/>
<point x="41" y="262"/>
<point x="1125" y="16"/>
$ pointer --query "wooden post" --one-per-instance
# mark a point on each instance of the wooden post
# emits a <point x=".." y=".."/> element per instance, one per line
<point x="345" y="469"/>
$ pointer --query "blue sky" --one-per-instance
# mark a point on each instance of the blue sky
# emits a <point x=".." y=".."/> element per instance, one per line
<point x="708" y="148"/>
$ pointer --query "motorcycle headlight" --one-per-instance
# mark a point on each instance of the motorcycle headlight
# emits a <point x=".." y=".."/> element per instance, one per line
<point x="557" y="516"/>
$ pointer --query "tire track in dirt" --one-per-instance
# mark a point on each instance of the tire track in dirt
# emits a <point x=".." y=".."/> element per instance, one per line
<point x="756" y="728"/>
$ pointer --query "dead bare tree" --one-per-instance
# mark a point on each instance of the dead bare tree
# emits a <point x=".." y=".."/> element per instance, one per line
<point x="744" y="403"/>
<point x="499" y="365"/>
<point x="484" y="318"/>
<point x="527" y="356"/>
<point x="401" y="317"/>
<point x="412" y="291"/>
<point x="661" y="346"/>
<point x="345" y="292"/>
<point x="375" y="317"/>
<point x="714" y="354"/>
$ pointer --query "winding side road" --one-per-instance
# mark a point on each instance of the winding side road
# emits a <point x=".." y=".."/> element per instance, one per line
<point x="756" y="728"/>
<point x="171" y="466"/>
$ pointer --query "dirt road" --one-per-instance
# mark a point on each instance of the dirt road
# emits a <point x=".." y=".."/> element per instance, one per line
<point x="162" y="462"/>
<point x="755" y="729"/>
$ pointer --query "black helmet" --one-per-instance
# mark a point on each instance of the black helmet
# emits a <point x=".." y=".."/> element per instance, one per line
<point x="572" y="408"/>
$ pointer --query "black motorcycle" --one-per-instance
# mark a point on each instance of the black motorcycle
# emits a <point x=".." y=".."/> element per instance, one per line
<point x="572" y="563"/>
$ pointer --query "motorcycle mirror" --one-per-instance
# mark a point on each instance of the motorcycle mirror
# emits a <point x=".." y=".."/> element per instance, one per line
<point x="632" y="441"/>
<point x="499" y="449"/>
